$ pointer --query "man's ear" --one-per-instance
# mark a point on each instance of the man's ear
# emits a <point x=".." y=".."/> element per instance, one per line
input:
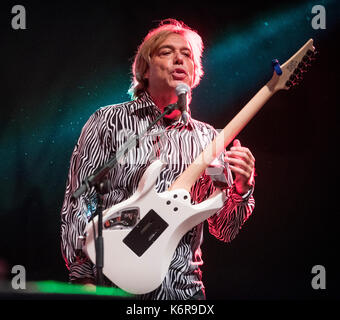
<point x="146" y="74"/>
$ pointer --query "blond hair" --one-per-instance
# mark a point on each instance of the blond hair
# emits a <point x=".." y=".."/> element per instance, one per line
<point x="152" y="42"/>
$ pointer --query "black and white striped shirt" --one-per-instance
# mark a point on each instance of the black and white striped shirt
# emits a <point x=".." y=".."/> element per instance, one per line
<point x="176" y="144"/>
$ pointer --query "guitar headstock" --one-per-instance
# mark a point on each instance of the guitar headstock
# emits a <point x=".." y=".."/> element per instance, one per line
<point x="294" y="67"/>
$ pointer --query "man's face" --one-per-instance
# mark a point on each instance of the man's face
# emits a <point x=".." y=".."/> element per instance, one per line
<point x="171" y="64"/>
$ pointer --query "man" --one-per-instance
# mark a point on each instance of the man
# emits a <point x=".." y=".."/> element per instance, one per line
<point x="169" y="55"/>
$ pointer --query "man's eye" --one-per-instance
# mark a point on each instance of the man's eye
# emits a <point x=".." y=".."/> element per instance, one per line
<point x="164" y="53"/>
<point x="187" y="54"/>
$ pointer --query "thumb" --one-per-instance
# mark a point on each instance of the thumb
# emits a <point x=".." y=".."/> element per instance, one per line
<point x="236" y="143"/>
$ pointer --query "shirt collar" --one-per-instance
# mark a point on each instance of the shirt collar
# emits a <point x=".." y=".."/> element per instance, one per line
<point x="145" y="100"/>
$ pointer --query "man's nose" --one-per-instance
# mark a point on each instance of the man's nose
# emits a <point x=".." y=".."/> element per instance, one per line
<point x="178" y="59"/>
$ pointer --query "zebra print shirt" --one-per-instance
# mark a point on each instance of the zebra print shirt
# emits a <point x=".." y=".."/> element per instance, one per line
<point x="176" y="144"/>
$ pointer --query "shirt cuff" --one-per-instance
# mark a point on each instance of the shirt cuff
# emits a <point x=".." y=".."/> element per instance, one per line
<point x="240" y="197"/>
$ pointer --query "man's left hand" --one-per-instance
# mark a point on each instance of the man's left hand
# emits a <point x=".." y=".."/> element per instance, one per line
<point x="242" y="164"/>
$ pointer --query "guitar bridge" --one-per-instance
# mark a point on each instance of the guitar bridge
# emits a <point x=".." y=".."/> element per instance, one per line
<point x="126" y="218"/>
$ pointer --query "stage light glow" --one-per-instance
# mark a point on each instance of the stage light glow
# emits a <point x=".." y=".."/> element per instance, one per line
<point x="238" y="63"/>
<point x="55" y="287"/>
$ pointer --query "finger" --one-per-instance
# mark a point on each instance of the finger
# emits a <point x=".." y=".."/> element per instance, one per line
<point x="243" y="149"/>
<point x="250" y="155"/>
<point x="240" y="163"/>
<point x="240" y="155"/>
<point x="240" y="171"/>
<point x="236" y="143"/>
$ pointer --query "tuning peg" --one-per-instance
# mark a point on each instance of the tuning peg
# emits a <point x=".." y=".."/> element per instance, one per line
<point x="302" y="67"/>
<point x="310" y="53"/>
<point x="292" y="78"/>
<point x="297" y="71"/>
<point x="299" y="77"/>
<point x="289" y="84"/>
<point x="298" y="81"/>
<point x="307" y="61"/>
<point x="314" y="55"/>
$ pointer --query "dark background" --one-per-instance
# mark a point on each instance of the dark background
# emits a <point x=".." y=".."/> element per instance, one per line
<point x="75" y="57"/>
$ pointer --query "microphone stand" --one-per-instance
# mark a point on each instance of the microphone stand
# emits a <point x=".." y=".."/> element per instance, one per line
<point x="99" y="181"/>
<point x="101" y="188"/>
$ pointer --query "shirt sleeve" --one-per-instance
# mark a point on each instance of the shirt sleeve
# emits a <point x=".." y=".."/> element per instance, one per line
<point x="88" y="154"/>
<point x="226" y="223"/>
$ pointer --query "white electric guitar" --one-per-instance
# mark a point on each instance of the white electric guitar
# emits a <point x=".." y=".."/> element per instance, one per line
<point x="141" y="233"/>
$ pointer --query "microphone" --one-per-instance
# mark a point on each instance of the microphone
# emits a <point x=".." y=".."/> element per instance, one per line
<point x="181" y="92"/>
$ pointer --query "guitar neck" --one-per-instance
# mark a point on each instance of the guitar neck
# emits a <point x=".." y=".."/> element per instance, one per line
<point x="222" y="140"/>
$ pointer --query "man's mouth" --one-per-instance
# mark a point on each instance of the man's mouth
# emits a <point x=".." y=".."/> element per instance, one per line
<point x="179" y="74"/>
